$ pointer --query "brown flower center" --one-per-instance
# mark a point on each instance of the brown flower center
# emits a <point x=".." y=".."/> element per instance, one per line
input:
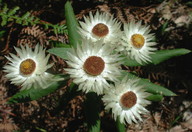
<point x="27" y="67"/>
<point x="100" y="30"/>
<point x="137" y="40"/>
<point x="94" y="65"/>
<point x="128" y="99"/>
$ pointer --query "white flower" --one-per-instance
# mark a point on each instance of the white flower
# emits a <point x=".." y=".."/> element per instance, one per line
<point x="127" y="101"/>
<point x="137" y="42"/>
<point x="101" y="26"/>
<point x="29" y="68"/>
<point x="91" y="65"/>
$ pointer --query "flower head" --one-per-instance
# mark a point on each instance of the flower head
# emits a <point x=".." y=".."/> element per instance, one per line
<point x="29" y="67"/>
<point x="91" y="65"/>
<point x="101" y="26"/>
<point x="137" y="42"/>
<point x="127" y="100"/>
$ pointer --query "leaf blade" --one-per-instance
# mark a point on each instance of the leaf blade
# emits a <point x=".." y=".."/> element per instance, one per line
<point x="60" y="52"/>
<point x="158" y="57"/>
<point x="149" y="86"/>
<point x="155" y="97"/>
<point x="72" y="25"/>
<point x="35" y="93"/>
<point x="120" y="126"/>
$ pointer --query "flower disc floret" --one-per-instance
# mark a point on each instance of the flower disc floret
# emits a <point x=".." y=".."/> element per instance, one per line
<point x="94" y="65"/>
<point x="137" y="40"/>
<point x="100" y="30"/>
<point x="27" y="67"/>
<point x="128" y="99"/>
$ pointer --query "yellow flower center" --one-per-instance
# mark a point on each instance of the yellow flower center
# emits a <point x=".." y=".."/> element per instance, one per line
<point x="128" y="99"/>
<point x="27" y="67"/>
<point x="100" y="30"/>
<point x="94" y="65"/>
<point x="137" y="40"/>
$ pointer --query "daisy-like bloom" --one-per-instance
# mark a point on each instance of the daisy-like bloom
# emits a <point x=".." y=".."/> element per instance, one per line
<point x="138" y="42"/>
<point x="91" y="65"/>
<point x="101" y="26"/>
<point x="29" y="68"/>
<point x="127" y="100"/>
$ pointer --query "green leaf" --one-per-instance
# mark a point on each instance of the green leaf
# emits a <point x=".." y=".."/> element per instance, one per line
<point x="58" y="44"/>
<point x="149" y="86"/>
<point x="129" y="62"/>
<point x="163" y="27"/>
<point x="155" y="97"/>
<point x="158" y="57"/>
<point x="71" y="22"/>
<point x="61" y="52"/>
<point x="189" y="3"/>
<point x="92" y="108"/>
<point x="163" y="55"/>
<point x="2" y="33"/>
<point x="4" y="21"/>
<point x="26" y="16"/>
<point x="36" y="93"/>
<point x="120" y="126"/>
<point x="13" y="11"/>
<point x="41" y="129"/>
